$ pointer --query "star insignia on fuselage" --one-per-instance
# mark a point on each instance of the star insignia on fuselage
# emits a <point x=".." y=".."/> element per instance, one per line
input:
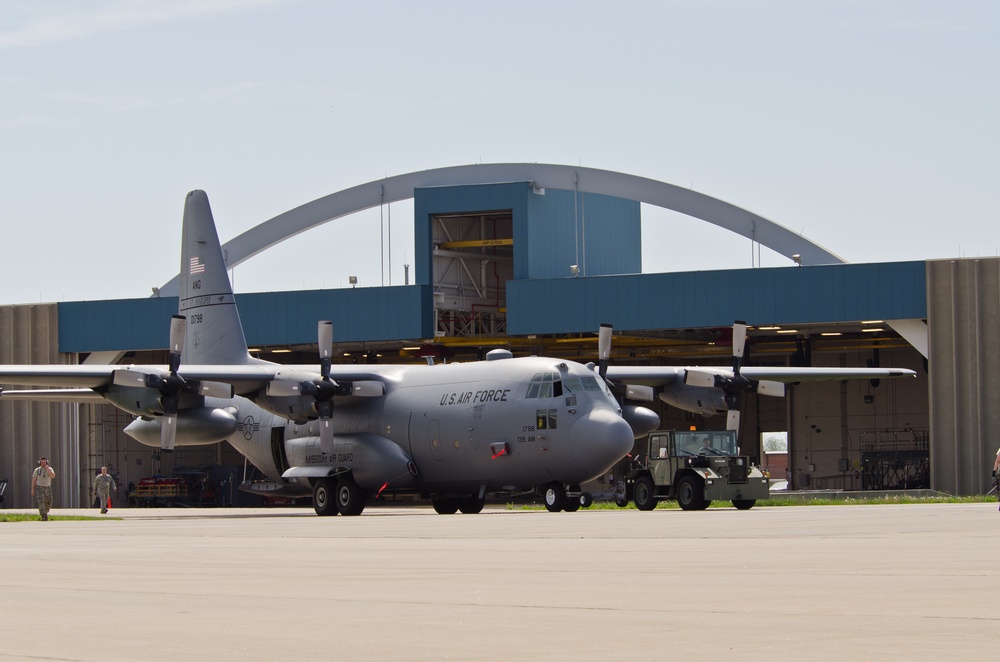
<point x="248" y="426"/>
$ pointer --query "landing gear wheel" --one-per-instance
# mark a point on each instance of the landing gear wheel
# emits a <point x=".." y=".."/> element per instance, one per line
<point x="621" y="502"/>
<point x="555" y="497"/>
<point x="586" y="500"/>
<point x="445" y="506"/>
<point x="472" y="505"/>
<point x="643" y="493"/>
<point x="744" y="504"/>
<point x="350" y="497"/>
<point x="323" y="502"/>
<point x="571" y="505"/>
<point x="690" y="494"/>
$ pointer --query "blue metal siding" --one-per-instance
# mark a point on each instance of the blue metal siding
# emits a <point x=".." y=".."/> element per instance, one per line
<point x="458" y="200"/>
<point x="832" y="293"/>
<point x="124" y="324"/>
<point x="546" y="228"/>
<point x="601" y="234"/>
<point x="273" y="318"/>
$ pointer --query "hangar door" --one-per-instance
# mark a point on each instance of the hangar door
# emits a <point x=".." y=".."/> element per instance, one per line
<point x="472" y="262"/>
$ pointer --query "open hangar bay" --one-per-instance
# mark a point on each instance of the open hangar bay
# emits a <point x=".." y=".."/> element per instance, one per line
<point x="534" y="257"/>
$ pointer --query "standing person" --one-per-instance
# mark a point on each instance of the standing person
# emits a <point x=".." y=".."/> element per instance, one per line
<point x="41" y="487"/>
<point x="103" y="484"/>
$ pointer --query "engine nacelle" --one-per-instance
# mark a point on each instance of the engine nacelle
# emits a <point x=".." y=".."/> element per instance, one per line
<point x="642" y="420"/>
<point x="198" y="426"/>
<point x="698" y="400"/>
<point x="373" y="460"/>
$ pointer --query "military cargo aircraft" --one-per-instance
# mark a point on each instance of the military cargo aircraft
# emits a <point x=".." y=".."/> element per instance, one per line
<point x="451" y="433"/>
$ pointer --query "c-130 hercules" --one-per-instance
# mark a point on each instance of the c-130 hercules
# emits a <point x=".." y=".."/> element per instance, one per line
<point x="452" y="433"/>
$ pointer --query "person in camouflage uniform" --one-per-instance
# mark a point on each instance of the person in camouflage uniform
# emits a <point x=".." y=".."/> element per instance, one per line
<point x="41" y="487"/>
<point x="103" y="485"/>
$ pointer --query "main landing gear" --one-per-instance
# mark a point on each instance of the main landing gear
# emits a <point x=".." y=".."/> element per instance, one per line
<point x="470" y="505"/>
<point x="338" y="495"/>
<point x="558" y="497"/>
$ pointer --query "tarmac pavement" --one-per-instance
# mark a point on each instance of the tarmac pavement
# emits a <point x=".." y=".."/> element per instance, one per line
<point x="819" y="582"/>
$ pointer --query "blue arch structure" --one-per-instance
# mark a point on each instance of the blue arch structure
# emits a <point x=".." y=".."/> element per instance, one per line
<point x="584" y="180"/>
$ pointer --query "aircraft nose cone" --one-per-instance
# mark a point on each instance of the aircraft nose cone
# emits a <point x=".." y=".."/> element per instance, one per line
<point x="600" y="439"/>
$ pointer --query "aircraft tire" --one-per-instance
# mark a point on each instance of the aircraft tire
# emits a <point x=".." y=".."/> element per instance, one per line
<point x="350" y="497"/>
<point x="690" y="494"/>
<point x="445" y="506"/>
<point x="323" y="502"/>
<point x="643" y="492"/>
<point x="571" y="505"/>
<point x="472" y="505"/>
<point x="586" y="499"/>
<point x="555" y="497"/>
<point x="744" y="504"/>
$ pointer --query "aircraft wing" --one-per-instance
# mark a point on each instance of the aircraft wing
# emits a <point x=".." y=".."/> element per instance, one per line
<point x="244" y="378"/>
<point x="642" y="375"/>
<point x="53" y="395"/>
<point x="789" y="375"/>
<point x="79" y="376"/>
<point x="658" y="376"/>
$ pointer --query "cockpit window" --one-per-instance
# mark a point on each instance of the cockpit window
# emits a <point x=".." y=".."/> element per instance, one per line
<point x="545" y="385"/>
<point x="575" y="384"/>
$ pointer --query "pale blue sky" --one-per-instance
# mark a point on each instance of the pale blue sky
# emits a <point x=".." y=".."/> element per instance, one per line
<point x="868" y="126"/>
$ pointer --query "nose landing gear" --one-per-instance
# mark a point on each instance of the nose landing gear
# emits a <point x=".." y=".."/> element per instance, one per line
<point x="558" y="497"/>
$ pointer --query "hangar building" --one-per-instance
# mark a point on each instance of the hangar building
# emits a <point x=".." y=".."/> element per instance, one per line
<point x="534" y="258"/>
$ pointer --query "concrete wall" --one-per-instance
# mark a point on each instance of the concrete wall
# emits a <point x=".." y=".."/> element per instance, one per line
<point x="963" y="302"/>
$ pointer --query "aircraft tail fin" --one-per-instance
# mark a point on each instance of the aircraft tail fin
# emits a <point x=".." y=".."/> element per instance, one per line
<point x="214" y="331"/>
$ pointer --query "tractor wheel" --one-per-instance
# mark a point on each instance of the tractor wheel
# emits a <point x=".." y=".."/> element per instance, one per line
<point x="643" y="493"/>
<point x="690" y="493"/>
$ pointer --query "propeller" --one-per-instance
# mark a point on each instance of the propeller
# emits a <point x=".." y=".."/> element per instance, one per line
<point x="322" y="389"/>
<point x="326" y="387"/>
<point x="733" y="384"/>
<point x="604" y="349"/>
<point x="171" y="384"/>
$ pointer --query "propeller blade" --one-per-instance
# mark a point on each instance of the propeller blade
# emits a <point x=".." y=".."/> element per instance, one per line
<point x="604" y="349"/>
<point x="178" y="329"/>
<point x="699" y="378"/>
<point x="733" y="420"/>
<point x="132" y="378"/>
<point x="215" y="390"/>
<point x="168" y="432"/>
<point x="368" y="389"/>
<point x="281" y="388"/>
<point x="774" y="389"/>
<point x="325" y="335"/>
<point x="326" y="435"/>
<point x="640" y="393"/>
<point x="739" y="342"/>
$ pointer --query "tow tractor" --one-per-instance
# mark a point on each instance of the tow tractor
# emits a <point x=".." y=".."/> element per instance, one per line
<point x="695" y="468"/>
